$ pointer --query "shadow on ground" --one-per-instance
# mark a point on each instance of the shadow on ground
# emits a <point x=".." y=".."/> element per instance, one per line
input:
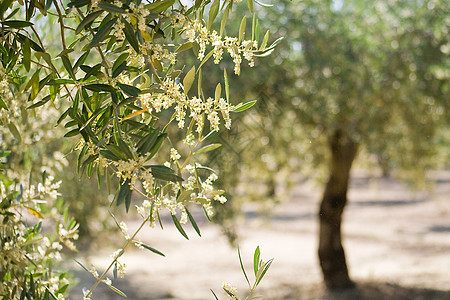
<point x="363" y="291"/>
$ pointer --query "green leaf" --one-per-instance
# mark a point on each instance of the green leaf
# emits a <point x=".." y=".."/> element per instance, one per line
<point x="3" y="104"/>
<point x="17" y="23"/>
<point x="223" y="23"/>
<point x="60" y="81"/>
<point x="178" y="226"/>
<point x="250" y="6"/>
<point x="34" y="84"/>
<point x="208" y="56"/>
<point x="124" y="194"/>
<point x="214" y="9"/>
<point x="81" y="265"/>
<point x="79" y="3"/>
<point x="147" y="142"/>
<point x="116" y="151"/>
<point x="129" y="89"/>
<point x="192" y="220"/>
<point x="73" y="132"/>
<point x="270" y="49"/>
<point x="184" y="47"/>
<point x="131" y="36"/>
<point x="4" y="5"/>
<point x="100" y="87"/>
<point x="14" y="131"/>
<point x="159" y="6"/>
<point x="245" y="106"/>
<point x="264" y="270"/>
<point x="111" y="8"/>
<point x="215" y="296"/>
<point x="256" y="258"/>
<point x="153" y="250"/>
<point x="68" y="66"/>
<point x="265" y="40"/>
<point x="80" y="60"/>
<point x="40" y="103"/>
<point x="122" y="58"/>
<point x="125" y="149"/>
<point x="119" y="69"/>
<point x="242" y="267"/>
<point x="164" y="173"/>
<point x="102" y="33"/>
<point x="189" y="80"/>
<point x="227" y="85"/>
<point x="117" y="291"/>
<point x="109" y="155"/>
<point x="208" y="148"/>
<point x="26" y="51"/>
<point x="242" y="28"/>
<point x="157" y="145"/>
<point x="218" y="92"/>
<point x="88" y="20"/>
<point x="263" y="4"/>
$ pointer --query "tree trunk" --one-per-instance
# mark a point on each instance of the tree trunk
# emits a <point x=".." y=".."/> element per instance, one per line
<point x="331" y="253"/>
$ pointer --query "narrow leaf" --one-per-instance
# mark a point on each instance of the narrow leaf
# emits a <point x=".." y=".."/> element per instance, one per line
<point x="218" y="92"/>
<point x="184" y="47"/>
<point x="178" y="226"/>
<point x="88" y="20"/>
<point x="208" y="148"/>
<point x="17" y="23"/>
<point x="164" y="173"/>
<point x="34" y="212"/>
<point x="263" y="4"/>
<point x="189" y="80"/>
<point x="192" y="220"/>
<point x="102" y="33"/>
<point x="223" y="23"/>
<point x="153" y="250"/>
<point x="100" y="87"/>
<point x="242" y="28"/>
<point x="81" y="265"/>
<point x="131" y="36"/>
<point x="111" y="7"/>
<point x="129" y="89"/>
<point x="26" y="51"/>
<point x="214" y="9"/>
<point x="117" y="291"/>
<point x="256" y="257"/>
<point x="242" y="267"/>
<point x="245" y="106"/>
<point x="265" y="268"/>
<point x="227" y="85"/>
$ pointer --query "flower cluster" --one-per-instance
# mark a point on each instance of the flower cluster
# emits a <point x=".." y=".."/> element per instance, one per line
<point x="133" y="170"/>
<point x="196" y="32"/>
<point x="173" y="95"/>
<point x="229" y="288"/>
<point x="20" y="244"/>
<point x="157" y="52"/>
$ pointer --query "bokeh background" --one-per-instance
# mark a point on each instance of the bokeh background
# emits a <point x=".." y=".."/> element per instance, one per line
<point x="353" y="106"/>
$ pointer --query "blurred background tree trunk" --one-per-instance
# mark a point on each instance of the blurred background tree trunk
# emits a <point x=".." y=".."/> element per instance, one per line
<point x="331" y="253"/>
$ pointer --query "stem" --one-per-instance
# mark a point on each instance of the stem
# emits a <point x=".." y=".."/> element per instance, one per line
<point x="61" y="24"/>
<point x="128" y="242"/>
<point x="155" y="72"/>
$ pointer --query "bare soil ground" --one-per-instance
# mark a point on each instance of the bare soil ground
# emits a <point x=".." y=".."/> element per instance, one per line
<point x="397" y="243"/>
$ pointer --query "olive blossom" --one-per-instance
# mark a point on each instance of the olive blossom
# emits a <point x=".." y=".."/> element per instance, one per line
<point x="114" y="79"/>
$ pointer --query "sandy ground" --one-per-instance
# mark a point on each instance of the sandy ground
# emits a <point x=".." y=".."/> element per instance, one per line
<point x="397" y="243"/>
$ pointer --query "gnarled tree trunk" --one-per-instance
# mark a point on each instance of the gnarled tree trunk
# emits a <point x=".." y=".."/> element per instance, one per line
<point x="331" y="253"/>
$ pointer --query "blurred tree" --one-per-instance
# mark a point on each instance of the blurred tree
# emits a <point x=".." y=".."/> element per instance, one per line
<point x="349" y="77"/>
